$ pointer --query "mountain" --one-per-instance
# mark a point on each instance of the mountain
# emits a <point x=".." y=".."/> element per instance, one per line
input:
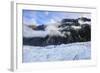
<point x="68" y="31"/>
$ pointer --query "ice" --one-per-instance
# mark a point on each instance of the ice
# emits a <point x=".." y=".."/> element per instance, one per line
<point x="63" y="52"/>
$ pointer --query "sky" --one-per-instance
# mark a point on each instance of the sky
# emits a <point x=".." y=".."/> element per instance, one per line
<point x="40" y="17"/>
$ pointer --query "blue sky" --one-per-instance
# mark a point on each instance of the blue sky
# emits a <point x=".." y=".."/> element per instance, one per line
<point x="46" y="17"/>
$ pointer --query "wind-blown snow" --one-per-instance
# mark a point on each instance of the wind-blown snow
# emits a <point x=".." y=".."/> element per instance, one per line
<point x="63" y="52"/>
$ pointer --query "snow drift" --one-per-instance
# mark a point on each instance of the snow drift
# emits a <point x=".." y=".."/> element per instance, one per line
<point x="63" y="52"/>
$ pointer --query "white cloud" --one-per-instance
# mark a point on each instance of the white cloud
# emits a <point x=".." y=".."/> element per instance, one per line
<point x="52" y="21"/>
<point x="28" y="32"/>
<point x="32" y="21"/>
<point x="47" y="13"/>
<point x="53" y="30"/>
<point x="86" y="15"/>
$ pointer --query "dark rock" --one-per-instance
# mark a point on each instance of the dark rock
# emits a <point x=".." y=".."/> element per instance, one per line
<point x="84" y="19"/>
<point x="85" y="33"/>
<point x="40" y="27"/>
<point x="34" y="41"/>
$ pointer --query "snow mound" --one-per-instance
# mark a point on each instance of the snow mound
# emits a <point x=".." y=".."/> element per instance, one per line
<point x="63" y="52"/>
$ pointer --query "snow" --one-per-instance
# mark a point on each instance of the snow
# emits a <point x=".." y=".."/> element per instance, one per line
<point x="63" y="52"/>
<point x="82" y="22"/>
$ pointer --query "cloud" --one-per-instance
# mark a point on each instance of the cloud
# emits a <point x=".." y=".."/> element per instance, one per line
<point x="47" y="13"/>
<point x="28" y="32"/>
<point x="52" y="21"/>
<point x="28" y="21"/>
<point x="86" y="15"/>
<point x="48" y="17"/>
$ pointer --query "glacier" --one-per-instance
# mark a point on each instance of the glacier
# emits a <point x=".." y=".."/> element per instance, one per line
<point x="63" y="52"/>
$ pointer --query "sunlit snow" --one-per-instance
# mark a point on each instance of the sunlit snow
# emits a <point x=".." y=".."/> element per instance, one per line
<point x="74" y="51"/>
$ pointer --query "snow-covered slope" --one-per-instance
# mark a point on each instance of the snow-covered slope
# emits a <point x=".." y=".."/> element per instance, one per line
<point x="74" y="51"/>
